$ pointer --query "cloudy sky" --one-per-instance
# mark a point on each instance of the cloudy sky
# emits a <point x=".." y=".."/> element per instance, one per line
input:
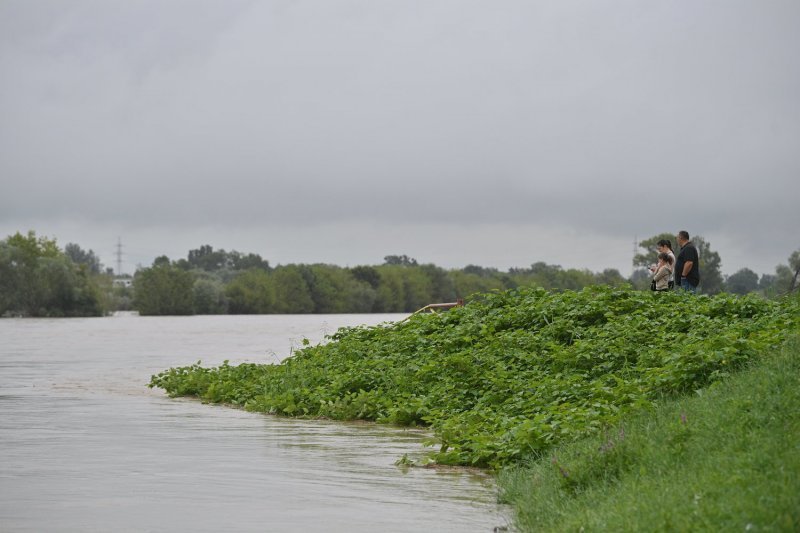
<point x="497" y="133"/>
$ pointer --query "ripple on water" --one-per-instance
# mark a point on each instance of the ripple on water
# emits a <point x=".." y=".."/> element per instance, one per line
<point x="86" y="446"/>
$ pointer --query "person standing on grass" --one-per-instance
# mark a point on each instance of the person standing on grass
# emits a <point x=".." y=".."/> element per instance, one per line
<point x="665" y="247"/>
<point x="687" y="265"/>
<point x="663" y="272"/>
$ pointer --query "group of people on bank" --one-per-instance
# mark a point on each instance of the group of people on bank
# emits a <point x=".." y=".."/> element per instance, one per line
<point x="682" y="271"/>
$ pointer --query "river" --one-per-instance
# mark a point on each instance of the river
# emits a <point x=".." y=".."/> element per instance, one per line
<point x="86" y="446"/>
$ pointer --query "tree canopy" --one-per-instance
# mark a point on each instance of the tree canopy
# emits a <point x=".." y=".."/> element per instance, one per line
<point x="38" y="279"/>
<point x="163" y="289"/>
<point x="742" y="282"/>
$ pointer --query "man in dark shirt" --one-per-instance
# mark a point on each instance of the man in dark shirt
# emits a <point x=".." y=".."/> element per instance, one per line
<point x="687" y="265"/>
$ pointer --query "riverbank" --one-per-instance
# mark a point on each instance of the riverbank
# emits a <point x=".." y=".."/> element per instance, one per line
<point x="723" y="459"/>
<point x="511" y="375"/>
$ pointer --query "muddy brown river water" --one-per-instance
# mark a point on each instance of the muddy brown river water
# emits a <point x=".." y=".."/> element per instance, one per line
<point x="86" y="446"/>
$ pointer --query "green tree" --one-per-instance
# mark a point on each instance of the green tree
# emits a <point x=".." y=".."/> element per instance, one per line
<point x="163" y="289"/>
<point x="611" y="277"/>
<point x="360" y="296"/>
<point x="208" y="259"/>
<point x="68" y="290"/>
<point x="442" y="287"/>
<point x="794" y="265"/>
<point x="327" y="285"/>
<point x="766" y="283"/>
<point x="786" y="276"/>
<point x="81" y="257"/>
<point x="291" y="291"/>
<point x="467" y="284"/>
<point x="240" y="261"/>
<point x="399" y="260"/>
<point x="34" y="247"/>
<point x="367" y="274"/>
<point x="553" y="277"/>
<point x="742" y="281"/>
<point x="37" y="279"/>
<point x="480" y="271"/>
<point x="391" y="294"/>
<point x="209" y="298"/>
<point x="711" y="280"/>
<point x="418" y="289"/>
<point x="211" y="260"/>
<point x="251" y="292"/>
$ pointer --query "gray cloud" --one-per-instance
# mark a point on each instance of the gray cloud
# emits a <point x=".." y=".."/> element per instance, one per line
<point x="575" y="122"/>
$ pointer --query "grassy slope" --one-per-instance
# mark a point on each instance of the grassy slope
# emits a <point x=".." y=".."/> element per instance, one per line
<point x="724" y="460"/>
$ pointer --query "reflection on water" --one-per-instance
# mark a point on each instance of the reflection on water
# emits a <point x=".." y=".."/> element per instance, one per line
<point x="85" y="446"/>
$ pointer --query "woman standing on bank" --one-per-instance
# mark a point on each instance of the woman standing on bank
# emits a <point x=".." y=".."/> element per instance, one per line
<point x="665" y="246"/>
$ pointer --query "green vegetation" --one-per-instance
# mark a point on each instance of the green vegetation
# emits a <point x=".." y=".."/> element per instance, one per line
<point x="513" y="373"/>
<point x="164" y="290"/>
<point x="230" y="282"/>
<point x="724" y="459"/>
<point x="38" y="279"/>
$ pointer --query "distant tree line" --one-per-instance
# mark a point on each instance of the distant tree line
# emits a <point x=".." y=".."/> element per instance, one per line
<point x="212" y="281"/>
<point x="37" y="278"/>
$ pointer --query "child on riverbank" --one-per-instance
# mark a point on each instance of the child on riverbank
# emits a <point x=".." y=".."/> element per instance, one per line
<point x="663" y="272"/>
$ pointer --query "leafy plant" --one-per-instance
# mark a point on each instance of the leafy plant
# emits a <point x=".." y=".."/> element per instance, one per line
<point x="511" y="374"/>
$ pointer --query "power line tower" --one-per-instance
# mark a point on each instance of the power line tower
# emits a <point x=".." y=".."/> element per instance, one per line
<point x="635" y="247"/>
<point x="119" y="256"/>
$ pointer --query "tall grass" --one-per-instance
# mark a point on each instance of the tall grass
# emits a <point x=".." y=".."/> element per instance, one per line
<point x="726" y="458"/>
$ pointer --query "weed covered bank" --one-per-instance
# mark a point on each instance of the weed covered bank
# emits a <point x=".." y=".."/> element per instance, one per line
<point x="725" y="459"/>
<point x="513" y="374"/>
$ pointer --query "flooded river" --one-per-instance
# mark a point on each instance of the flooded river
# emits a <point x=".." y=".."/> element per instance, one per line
<point x="86" y="446"/>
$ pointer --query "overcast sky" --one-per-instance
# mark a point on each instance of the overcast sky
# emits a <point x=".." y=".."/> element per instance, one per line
<point x="497" y="133"/>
